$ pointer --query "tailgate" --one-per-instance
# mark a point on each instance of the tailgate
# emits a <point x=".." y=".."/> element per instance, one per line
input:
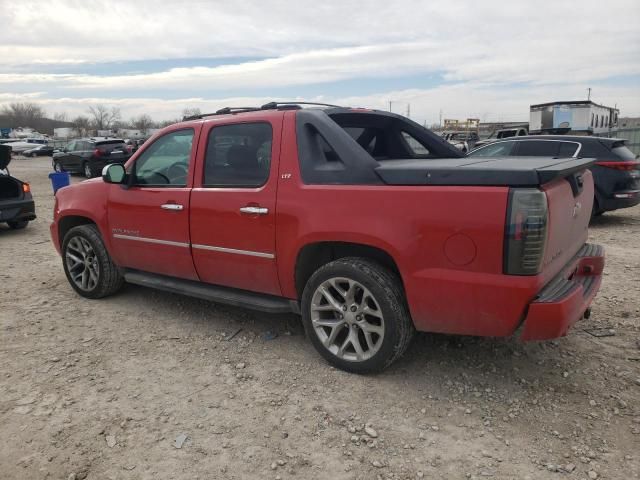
<point x="569" y="202"/>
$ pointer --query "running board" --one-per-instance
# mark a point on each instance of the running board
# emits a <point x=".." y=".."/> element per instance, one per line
<point x="214" y="293"/>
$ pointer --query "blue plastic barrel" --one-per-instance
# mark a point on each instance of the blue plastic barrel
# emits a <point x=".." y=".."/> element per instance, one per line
<point x="59" y="180"/>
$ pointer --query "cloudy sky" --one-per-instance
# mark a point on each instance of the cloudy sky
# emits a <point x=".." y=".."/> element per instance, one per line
<point x="488" y="59"/>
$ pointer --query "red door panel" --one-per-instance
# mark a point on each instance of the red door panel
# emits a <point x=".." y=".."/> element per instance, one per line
<point x="233" y="228"/>
<point x="148" y="237"/>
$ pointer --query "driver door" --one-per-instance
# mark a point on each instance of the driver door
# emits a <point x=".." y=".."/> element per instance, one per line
<point x="149" y="217"/>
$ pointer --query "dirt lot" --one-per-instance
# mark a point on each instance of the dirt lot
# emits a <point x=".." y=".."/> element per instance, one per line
<point x="104" y="389"/>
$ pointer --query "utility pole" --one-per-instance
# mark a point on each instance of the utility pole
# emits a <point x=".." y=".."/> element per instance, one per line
<point x="408" y="110"/>
<point x="589" y="94"/>
<point x="390" y="102"/>
<point x="440" y="118"/>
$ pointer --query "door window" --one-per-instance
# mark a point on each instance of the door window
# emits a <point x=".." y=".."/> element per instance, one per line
<point x="538" y="148"/>
<point x="238" y="155"/>
<point x="498" y="149"/>
<point x="166" y="161"/>
<point x="71" y="146"/>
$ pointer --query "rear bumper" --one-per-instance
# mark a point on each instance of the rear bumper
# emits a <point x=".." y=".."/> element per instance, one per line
<point x="564" y="300"/>
<point x="621" y="199"/>
<point x="15" y="211"/>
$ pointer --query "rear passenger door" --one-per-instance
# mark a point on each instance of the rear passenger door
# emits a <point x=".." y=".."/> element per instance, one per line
<point x="232" y="213"/>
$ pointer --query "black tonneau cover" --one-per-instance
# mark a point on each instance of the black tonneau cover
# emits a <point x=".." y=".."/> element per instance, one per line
<point x="499" y="171"/>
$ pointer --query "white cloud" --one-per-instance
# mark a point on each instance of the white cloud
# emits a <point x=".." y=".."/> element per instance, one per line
<point x="550" y="50"/>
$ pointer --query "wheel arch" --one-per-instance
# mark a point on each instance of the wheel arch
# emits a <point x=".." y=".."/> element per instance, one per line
<point x="312" y="256"/>
<point x="68" y="222"/>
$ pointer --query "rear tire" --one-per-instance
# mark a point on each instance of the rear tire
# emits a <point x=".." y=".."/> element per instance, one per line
<point x="355" y="313"/>
<point x="18" y="224"/>
<point x="88" y="265"/>
<point x="595" y="210"/>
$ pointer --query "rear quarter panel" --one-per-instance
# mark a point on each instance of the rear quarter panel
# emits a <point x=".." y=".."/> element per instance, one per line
<point x="446" y="241"/>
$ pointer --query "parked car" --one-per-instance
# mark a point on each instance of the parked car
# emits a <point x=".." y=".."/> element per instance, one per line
<point x="89" y="155"/>
<point x="502" y="134"/>
<point x="22" y="145"/>
<point x="367" y="224"/>
<point x="40" y="150"/>
<point x="17" y="208"/>
<point x="616" y="172"/>
<point x="463" y="141"/>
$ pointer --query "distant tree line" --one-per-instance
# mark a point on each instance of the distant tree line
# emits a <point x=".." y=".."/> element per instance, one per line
<point x="97" y="117"/>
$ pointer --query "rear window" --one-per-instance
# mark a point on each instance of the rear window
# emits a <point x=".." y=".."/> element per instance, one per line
<point x="109" y="142"/>
<point x="507" y="134"/>
<point x="622" y="152"/>
<point x="416" y="147"/>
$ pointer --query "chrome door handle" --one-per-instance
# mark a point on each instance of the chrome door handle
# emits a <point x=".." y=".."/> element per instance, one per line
<point x="254" y="210"/>
<point x="172" y="206"/>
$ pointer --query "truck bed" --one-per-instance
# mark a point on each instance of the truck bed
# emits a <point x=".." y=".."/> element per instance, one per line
<point x="499" y="171"/>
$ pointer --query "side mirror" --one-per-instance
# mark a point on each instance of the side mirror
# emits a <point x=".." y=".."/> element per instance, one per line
<point x="113" y="173"/>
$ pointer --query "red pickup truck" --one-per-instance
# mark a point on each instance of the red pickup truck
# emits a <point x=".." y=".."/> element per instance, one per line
<point x="367" y="224"/>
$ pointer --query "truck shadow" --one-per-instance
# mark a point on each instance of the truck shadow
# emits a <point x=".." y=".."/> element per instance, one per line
<point x="442" y="364"/>
<point x="609" y="220"/>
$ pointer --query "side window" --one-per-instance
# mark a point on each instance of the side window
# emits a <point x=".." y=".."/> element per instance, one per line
<point x="567" y="149"/>
<point x="166" y="161"/>
<point x="238" y="155"/>
<point x="415" y="146"/>
<point x="71" y="146"/>
<point x="498" y="149"/>
<point x="537" y="148"/>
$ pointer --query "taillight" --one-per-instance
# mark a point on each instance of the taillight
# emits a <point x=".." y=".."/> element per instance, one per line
<point x="525" y="232"/>
<point x="26" y="188"/>
<point x="624" y="166"/>
<point x="97" y="152"/>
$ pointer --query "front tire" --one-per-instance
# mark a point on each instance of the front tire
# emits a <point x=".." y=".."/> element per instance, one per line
<point x="355" y="314"/>
<point x="87" y="264"/>
<point x="57" y="166"/>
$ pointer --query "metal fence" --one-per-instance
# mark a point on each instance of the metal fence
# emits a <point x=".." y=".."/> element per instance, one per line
<point x="632" y="135"/>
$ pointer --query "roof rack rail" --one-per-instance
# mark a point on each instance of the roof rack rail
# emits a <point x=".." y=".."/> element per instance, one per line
<point x="222" y="111"/>
<point x="274" y="105"/>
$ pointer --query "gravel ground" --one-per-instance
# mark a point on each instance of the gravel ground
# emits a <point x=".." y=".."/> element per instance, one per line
<point x="150" y="385"/>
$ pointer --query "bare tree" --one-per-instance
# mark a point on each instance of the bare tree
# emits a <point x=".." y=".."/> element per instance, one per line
<point x="143" y="123"/>
<point x="81" y="124"/>
<point x="165" y="123"/>
<point x="190" y="112"/>
<point x="60" y="117"/>
<point x="24" y="114"/>
<point x="103" y="117"/>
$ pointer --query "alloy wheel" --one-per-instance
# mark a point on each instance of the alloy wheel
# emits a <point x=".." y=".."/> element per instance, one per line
<point x="82" y="263"/>
<point x="347" y="319"/>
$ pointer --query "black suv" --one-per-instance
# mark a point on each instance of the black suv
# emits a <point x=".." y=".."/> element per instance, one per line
<point x="616" y="172"/>
<point x="89" y="155"/>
